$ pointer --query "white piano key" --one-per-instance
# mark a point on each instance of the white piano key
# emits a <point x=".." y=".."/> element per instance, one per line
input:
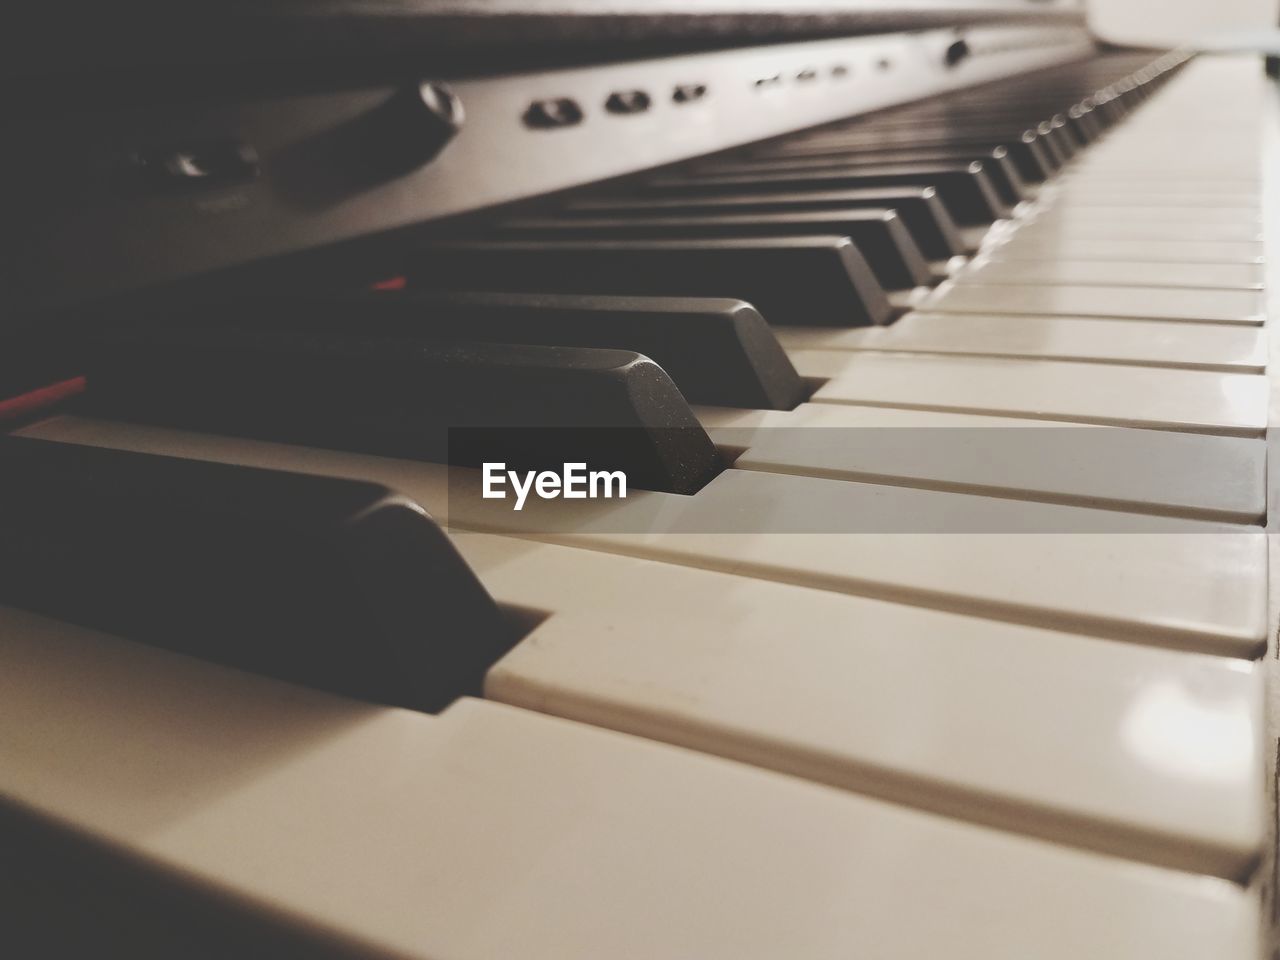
<point x="1148" y="471"/>
<point x="488" y="831"/>
<point x="1145" y="160"/>
<point x="906" y="704"/>
<point x="1225" y="276"/>
<point x="1142" y="176"/>
<point x="723" y="423"/>
<point x="1114" y="183"/>
<point x="1191" y="475"/>
<point x="1069" y="211"/>
<point x="1051" y="224"/>
<point x="1190" y="586"/>
<point x="1138" y="303"/>
<point x="1146" y="156"/>
<point x="1133" y="251"/>
<point x="1146" y="196"/>
<point x="1160" y="158"/>
<point x="1195" y="401"/>
<point x="1135" y="155"/>
<point x="1143" y="342"/>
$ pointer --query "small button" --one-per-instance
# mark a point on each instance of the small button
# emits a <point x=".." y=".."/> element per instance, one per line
<point x="765" y="83"/>
<point x="556" y="112"/>
<point x="808" y="75"/>
<point x="628" y="101"/>
<point x="956" y="52"/>
<point x="839" y="71"/>
<point x="204" y="163"/>
<point x="689" y="92"/>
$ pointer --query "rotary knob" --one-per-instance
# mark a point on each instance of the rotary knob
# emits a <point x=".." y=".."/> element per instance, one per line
<point x="416" y="123"/>
<point x="390" y="139"/>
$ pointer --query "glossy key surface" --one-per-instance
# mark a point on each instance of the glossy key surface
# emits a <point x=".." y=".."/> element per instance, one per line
<point x="1230" y="404"/>
<point x="1221" y="347"/>
<point x="1067" y="299"/>
<point x="821" y="279"/>
<point x="1223" y="276"/>
<point x="895" y="701"/>
<point x="423" y="818"/>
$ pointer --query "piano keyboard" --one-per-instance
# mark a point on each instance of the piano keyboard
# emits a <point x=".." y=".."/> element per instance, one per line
<point x="955" y="652"/>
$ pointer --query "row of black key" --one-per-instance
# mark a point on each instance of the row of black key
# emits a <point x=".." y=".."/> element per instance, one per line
<point x="600" y="340"/>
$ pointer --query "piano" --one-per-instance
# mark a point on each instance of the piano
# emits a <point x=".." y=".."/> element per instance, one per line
<point x="705" y="480"/>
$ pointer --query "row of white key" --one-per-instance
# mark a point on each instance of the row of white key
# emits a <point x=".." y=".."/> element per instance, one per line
<point x="488" y="832"/>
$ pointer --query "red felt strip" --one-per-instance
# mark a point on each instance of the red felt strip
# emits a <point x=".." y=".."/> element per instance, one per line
<point x="35" y="400"/>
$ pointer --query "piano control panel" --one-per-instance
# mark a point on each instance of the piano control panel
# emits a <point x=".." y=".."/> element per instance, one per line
<point x="149" y="195"/>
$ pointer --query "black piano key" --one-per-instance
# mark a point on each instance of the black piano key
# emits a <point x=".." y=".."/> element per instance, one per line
<point x="1053" y="144"/>
<point x="922" y="212"/>
<point x="1083" y="123"/>
<point x="1034" y="162"/>
<point x="1072" y="133"/>
<point x="956" y="135"/>
<point x="1111" y="106"/>
<point x="1005" y="177"/>
<point x="810" y="281"/>
<point x="877" y="155"/>
<point x="1102" y="119"/>
<point x="334" y="584"/>
<point x="940" y="118"/>
<point x="950" y="128"/>
<point x="717" y="351"/>
<point x="532" y="407"/>
<point x="999" y="166"/>
<point x="1025" y="150"/>
<point x="879" y="235"/>
<point x="965" y="189"/>
<point x="1055" y="129"/>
